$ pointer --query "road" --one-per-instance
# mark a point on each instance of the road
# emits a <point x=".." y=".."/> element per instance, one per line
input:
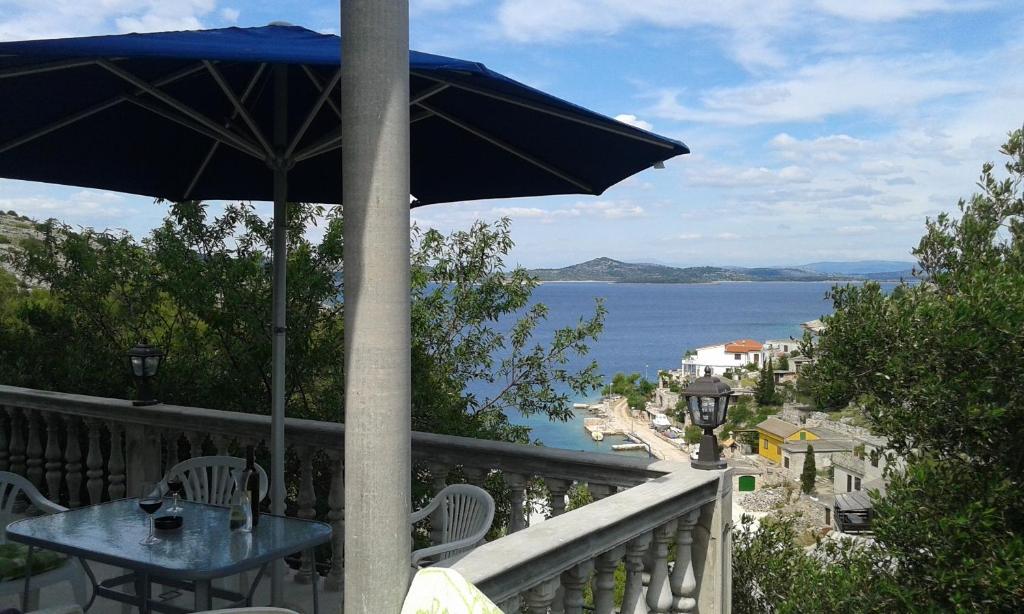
<point x="661" y="448"/>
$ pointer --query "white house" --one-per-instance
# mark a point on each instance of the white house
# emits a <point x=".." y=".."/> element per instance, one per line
<point x="861" y="470"/>
<point x="724" y="356"/>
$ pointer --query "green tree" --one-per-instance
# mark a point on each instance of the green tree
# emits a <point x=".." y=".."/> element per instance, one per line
<point x="933" y="365"/>
<point x="764" y="392"/>
<point x="783" y="363"/>
<point x="809" y="471"/>
<point x="693" y="434"/>
<point x="636" y="389"/>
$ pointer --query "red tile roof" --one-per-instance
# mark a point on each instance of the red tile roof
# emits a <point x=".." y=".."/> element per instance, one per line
<point x="743" y="346"/>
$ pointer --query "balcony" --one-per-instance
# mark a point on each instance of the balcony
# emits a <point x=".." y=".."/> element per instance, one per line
<point x="641" y="509"/>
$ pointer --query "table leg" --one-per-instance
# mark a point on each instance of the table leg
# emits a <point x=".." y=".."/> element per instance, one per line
<point x="28" y="578"/>
<point x="142" y="592"/>
<point x="203" y="600"/>
<point x="314" y="581"/>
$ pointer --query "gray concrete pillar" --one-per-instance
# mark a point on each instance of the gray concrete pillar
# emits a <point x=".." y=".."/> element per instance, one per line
<point x="375" y="172"/>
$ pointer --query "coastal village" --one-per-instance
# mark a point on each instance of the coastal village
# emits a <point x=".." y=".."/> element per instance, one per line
<point x="770" y="456"/>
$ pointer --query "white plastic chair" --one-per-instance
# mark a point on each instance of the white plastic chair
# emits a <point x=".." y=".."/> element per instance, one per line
<point x="251" y="610"/>
<point x="211" y="479"/>
<point x="465" y="516"/>
<point x="12" y="487"/>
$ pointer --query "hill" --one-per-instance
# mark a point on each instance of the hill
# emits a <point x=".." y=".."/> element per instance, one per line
<point x="609" y="270"/>
<point x="868" y="268"/>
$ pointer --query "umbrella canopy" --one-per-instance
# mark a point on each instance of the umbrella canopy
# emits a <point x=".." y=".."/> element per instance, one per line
<point x="253" y="114"/>
<point x="189" y="115"/>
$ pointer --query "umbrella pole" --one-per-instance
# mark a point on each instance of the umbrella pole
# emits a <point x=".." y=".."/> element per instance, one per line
<point x="280" y="255"/>
<point x="375" y="193"/>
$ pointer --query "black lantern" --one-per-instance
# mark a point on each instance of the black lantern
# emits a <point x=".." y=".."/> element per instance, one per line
<point x="707" y="398"/>
<point x="144" y="360"/>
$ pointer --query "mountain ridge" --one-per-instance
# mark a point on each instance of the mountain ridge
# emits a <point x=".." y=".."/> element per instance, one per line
<point x="604" y="269"/>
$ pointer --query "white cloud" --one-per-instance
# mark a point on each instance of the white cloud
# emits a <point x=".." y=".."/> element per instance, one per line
<point x="689" y="236"/>
<point x="854" y="231"/>
<point x="726" y="176"/>
<point x="815" y="92"/>
<point x="879" y="167"/>
<point x="727" y="236"/>
<point x="633" y="120"/>
<point x="892" y="10"/>
<point x="424" y="6"/>
<point x="831" y="148"/>
<point x="229" y="14"/>
<point x="28" y="19"/>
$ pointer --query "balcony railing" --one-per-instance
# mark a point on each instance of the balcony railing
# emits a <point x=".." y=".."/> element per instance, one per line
<point x="82" y="450"/>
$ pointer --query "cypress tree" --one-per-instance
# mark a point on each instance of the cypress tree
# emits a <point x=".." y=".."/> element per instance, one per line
<point x="809" y="472"/>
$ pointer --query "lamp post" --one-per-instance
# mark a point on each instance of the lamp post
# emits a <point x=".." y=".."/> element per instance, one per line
<point x="144" y="360"/>
<point x="707" y="399"/>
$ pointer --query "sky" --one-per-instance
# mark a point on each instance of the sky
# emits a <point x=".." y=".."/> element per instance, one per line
<point x="819" y="130"/>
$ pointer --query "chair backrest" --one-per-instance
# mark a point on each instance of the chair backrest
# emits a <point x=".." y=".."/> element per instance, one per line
<point x="465" y="513"/>
<point x="13" y="488"/>
<point x="211" y="479"/>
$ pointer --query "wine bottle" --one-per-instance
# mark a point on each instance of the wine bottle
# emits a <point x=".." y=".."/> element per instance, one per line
<point x="252" y="484"/>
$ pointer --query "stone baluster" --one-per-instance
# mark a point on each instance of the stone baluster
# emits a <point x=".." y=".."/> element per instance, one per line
<point x="53" y="456"/>
<point x="558" y="489"/>
<point x="439" y="473"/>
<point x="336" y="518"/>
<point x="633" y="596"/>
<point x="604" y="580"/>
<point x="34" y="450"/>
<point x="517" y="483"/>
<point x="94" y="463"/>
<point x="539" y="598"/>
<point x="73" y="460"/>
<point x="221" y="444"/>
<point x="115" y="464"/>
<point x="172" y="439"/>
<point x="195" y="443"/>
<point x="683" y="581"/>
<point x="307" y="507"/>
<point x="659" y="592"/>
<point x="17" y="442"/>
<point x="573" y="581"/>
<point x="511" y="605"/>
<point x="5" y="441"/>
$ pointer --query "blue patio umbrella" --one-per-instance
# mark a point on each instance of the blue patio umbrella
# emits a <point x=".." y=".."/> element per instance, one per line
<point x="252" y="113"/>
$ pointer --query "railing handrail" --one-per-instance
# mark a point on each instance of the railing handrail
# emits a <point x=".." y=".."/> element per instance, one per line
<point x="450" y="449"/>
<point x="505" y="567"/>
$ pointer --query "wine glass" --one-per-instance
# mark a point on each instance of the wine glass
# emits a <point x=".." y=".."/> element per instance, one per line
<point x="149" y="502"/>
<point x="177" y="488"/>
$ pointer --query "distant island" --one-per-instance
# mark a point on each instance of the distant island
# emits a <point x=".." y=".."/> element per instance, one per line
<point x="615" y="271"/>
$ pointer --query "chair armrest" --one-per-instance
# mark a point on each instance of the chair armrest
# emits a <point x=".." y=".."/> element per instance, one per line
<point x="420" y="514"/>
<point x="459" y="544"/>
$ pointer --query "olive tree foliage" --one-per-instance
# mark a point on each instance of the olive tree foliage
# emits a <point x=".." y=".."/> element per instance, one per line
<point x="200" y="286"/>
<point x="936" y="367"/>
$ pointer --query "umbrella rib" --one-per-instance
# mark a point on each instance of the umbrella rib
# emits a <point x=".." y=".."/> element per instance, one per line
<point x="319" y="86"/>
<point x="21" y="71"/>
<point x="216" y="143"/>
<point x="239" y="108"/>
<point x="509" y="148"/>
<point x="430" y="91"/>
<point x="93" y="110"/>
<point x="320" y="147"/>
<point x="547" y="111"/>
<point x="324" y="94"/>
<point x="211" y="126"/>
<point x="199" y="128"/>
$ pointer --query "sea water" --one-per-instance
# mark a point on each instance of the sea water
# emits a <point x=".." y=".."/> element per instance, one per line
<point x="650" y="326"/>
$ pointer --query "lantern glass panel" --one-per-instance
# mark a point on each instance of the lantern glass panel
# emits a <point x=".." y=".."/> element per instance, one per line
<point x="137" y="365"/>
<point x="152" y="363"/>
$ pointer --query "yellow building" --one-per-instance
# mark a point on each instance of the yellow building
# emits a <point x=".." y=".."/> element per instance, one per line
<point x="772" y="433"/>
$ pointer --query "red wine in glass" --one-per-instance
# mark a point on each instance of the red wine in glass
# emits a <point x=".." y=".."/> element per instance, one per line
<point x="149" y="502"/>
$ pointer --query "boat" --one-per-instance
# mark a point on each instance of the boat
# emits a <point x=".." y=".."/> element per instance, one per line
<point x="580" y="406"/>
<point x="597" y="435"/>
<point x="624" y="447"/>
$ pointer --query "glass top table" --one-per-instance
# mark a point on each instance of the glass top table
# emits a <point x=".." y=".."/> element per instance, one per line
<point x="204" y="547"/>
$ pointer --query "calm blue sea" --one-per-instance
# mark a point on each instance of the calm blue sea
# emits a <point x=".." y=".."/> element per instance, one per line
<point x="650" y="326"/>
